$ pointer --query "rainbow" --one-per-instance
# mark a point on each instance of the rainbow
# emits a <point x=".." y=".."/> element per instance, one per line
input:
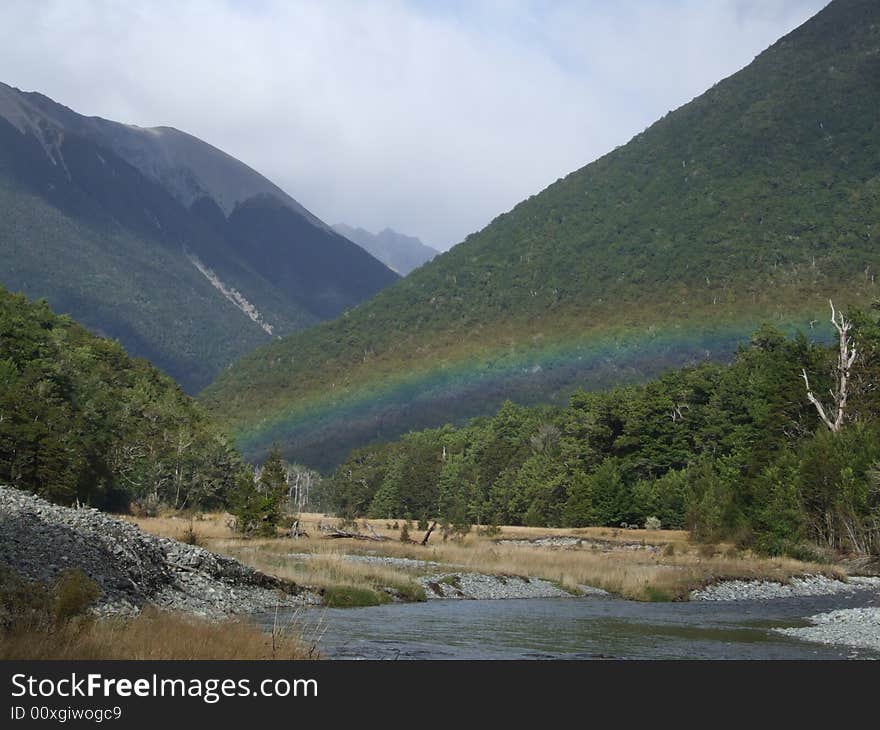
<point x="322" y="429"/>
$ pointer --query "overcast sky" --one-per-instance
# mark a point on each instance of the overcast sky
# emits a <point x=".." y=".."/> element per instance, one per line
<point x="430" y="117"/>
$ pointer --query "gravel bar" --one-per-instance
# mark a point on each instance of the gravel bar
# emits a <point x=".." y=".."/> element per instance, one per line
<point x="478" y="586"/>
<point x="375" y="559"/>
<point x="39" y="540"/>
<point x="856" y="627"/>
<point x="759" y="590"/>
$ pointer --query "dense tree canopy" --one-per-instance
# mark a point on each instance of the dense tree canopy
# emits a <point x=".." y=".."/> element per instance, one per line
<point x="81" y="420"/>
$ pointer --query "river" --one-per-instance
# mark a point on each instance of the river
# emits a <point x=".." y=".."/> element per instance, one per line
<point x="579" y="628"/>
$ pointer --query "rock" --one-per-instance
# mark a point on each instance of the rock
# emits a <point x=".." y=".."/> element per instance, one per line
<point x="131" y="567"/>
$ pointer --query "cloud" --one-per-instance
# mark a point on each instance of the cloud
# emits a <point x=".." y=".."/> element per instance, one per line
<point x="432" y="118"/>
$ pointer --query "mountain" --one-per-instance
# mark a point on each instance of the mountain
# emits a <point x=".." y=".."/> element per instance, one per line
<point x="755" y="202"/>
<point x="398" y="252"/>
<point x="186" y="255"/>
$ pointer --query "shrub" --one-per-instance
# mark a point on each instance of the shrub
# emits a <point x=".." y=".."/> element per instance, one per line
<point x="707" y="551"/>
<point x="350" y="597"/>
<point x="27" y="606"/>
<point x="652" y="523"/>
<point x="191" y="536"/>
<point x="24" y="605"/>
<point x="73" y="594"/>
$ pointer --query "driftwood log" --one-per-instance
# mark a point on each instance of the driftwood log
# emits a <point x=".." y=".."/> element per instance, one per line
<point x="337" y="534"/>
<point x="343" y="534"/>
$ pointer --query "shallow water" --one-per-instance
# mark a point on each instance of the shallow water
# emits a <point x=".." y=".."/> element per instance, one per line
<point x="580" y="628"/>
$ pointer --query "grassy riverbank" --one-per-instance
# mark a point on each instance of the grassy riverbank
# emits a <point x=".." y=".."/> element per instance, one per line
<point x="155" y="635"/>
<point x="56" y="621"/>
<point x="637" y="564"/>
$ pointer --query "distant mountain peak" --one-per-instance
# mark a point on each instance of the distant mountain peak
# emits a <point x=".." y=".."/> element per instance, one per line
<point x="187" y="166"/>
<point x="399" y="252"/>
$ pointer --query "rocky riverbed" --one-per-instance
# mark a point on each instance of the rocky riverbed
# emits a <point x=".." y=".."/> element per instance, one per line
<point x="408" y="563"/>
<point x="756" y="590"/>
<point x="856" y="627"/>
<point x="39" y="540"/>
<point x="479" y="586"/>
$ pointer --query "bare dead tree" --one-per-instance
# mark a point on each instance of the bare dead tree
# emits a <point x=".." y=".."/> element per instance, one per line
<point x="300" y="480"/>
<point x="428" y="533"/>
<point x="845" y="359"/>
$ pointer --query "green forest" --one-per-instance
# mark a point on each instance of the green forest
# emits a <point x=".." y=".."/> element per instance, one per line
<point x="731" y="452"/>
<point x="734" y="452"/>
<point x="80" y="420"/>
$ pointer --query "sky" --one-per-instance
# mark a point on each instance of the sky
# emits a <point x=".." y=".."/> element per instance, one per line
<point x="429" y="117"/>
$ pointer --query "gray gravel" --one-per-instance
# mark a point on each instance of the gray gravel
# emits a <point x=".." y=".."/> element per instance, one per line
<point x="751" y="590"/>
<point x="482" y="587"/>
<point x="856" y="627"/>
<point x="561" y="542"/>
<point x="132" y="568"/>
<point x="564" y="542"/>
<point x="377" y="559"/>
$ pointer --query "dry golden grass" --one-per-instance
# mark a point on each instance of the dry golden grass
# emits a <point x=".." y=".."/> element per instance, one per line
<point x="208" y="526"/>
<point x="158" y="635"/>
<point x="344" y="582"/>
<point x="604" y="560"/>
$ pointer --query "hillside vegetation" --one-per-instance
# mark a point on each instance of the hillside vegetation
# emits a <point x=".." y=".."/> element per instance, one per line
<point x="731" y="452"/>
<point x="81" y="420"/>
<point x="754" y="202"/>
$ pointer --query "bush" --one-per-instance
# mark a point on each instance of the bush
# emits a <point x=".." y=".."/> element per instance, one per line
<point x="652" y="523"/>
<point x="350" y="597"/>
<point x="191" y="536"/>
<point x="257" y="505"/>
<point x="73" y="594"/>
<point x="27" y="606"/>
<point x="707" y="551"/>
<point x="24" y="605"/>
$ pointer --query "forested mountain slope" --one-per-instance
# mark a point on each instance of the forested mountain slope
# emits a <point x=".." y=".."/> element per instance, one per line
<point x="154" y="237"/>
<point x="755" y="202"/>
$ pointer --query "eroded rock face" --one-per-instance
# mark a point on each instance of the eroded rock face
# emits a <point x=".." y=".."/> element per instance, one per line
<point x="39" y="540"/>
